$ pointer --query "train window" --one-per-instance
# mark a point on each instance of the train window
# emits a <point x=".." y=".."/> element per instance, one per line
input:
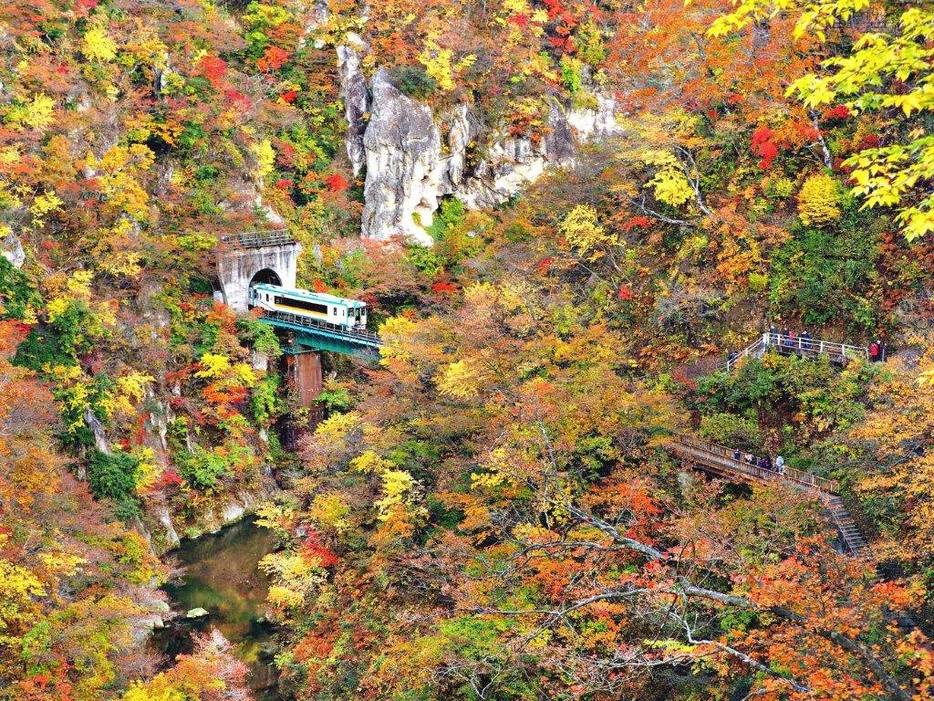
<point x="301" y="304"/>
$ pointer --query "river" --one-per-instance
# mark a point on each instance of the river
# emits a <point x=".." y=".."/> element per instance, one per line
<point x="220" y="574"/>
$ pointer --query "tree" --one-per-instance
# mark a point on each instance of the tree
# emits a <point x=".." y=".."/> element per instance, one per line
<point x="882" y="77"/>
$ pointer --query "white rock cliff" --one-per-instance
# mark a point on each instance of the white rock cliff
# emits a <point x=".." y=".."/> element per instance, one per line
<point x="408" y="171"/>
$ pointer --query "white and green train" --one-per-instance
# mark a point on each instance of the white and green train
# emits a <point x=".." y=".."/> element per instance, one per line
<point x="316" y="306"/>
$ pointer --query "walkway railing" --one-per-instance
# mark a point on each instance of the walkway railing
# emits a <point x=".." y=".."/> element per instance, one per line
<point x="257" y="239"/>
<point x="755" y="349"/>
<point x="721" y="457"/>
<point x="806" y="347"/>
<point x="363" y="337"/>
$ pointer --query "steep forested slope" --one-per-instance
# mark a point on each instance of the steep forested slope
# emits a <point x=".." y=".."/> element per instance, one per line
<point x="616" y="195"/>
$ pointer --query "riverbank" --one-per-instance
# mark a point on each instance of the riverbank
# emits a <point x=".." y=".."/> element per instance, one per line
<point x="220" y="573"/>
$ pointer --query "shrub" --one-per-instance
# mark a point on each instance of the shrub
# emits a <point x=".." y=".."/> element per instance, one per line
<point x="18" y="298"/>
<point x="202" y="468"/>
<point x="113" y="476"/>
<point x="414" y="81"/>
<point x="779" y="188"/>
<point x="732" y="430"/>
<point x="818" y="201"/>
<point x="758" y="282"/>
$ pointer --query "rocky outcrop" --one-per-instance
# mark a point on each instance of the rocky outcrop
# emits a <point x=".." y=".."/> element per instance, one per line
<point x="163" y="533"/>
<point x="11" y="248"/>
<point x="97" y="429"/>
<point x="403" y="149"/>
<point x="356" y="98"/>
<point x="408" y="170"/>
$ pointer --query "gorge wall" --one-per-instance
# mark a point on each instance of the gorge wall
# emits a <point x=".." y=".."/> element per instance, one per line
<point x="414" y="158"/>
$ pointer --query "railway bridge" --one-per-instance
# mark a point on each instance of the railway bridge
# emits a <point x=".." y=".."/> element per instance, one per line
<point x="246" y="259"/>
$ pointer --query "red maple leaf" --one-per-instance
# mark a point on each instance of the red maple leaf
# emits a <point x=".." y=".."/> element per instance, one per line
<point x="763" y="146"/>
<point x="273" y="59"/>
<point x="444" y="287"/>
<point x="838" y="112"/>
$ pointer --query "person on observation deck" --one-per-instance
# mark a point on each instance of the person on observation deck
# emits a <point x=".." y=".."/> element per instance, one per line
<point x="874" y="352"/>
<point x="780" y="464"/>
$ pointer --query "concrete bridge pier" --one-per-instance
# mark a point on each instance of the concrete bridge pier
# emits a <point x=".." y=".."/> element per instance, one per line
<point x="304" y="376"/>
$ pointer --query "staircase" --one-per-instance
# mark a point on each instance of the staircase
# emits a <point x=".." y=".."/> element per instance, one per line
<point x="841" y="517"/>
<point x="755" y="349"/>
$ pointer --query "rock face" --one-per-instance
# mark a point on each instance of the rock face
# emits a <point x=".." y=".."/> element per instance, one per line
<point x="403" y="147"/>
<point x="408" y="171"/>
<point x="97" y="428"/>
<point x="356" y="98"/>
<point x="12" y="249"/>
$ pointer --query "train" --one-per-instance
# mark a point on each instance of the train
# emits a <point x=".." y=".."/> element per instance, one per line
<point x="316" y="306"/>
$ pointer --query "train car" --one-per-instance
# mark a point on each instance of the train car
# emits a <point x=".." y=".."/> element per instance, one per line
<point x="318" y="306"/>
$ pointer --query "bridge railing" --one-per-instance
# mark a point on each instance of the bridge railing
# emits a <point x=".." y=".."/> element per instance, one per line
<point x="811" y="347"/>
<point x="755" y="349"/>
<point x="257" y="239"/>
<point x="725" y="455"/>
<point x="814" y="346"/>
<point x="366" y="337"/>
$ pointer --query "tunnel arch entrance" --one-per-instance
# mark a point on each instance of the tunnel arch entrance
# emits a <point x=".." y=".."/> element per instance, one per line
<point x="266" y="276"/>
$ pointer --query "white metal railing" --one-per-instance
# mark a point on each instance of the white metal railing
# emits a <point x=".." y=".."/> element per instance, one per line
<point x="809" y="347"/>
<point x="754" y="349"/>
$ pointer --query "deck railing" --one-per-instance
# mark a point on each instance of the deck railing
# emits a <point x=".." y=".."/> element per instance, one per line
<point x="257" y="239"/>
<point x="365" y="337"/>
<point x="809" y="347"/>
<point x="724" y="458"/>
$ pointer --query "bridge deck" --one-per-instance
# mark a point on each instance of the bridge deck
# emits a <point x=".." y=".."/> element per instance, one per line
<point x="840" y="353"/>
<point x="324" y="336"/>
<point x="719" y="460"/>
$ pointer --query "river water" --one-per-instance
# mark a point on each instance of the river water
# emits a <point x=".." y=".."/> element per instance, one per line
<point x="220" y="574"/>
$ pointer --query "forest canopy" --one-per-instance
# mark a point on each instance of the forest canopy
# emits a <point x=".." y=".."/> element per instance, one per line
<point x="590" y="237"/>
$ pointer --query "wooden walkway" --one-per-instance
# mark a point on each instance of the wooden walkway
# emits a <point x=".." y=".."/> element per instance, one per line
<point x="840" y="353"/>
<point x="719" y="460"/>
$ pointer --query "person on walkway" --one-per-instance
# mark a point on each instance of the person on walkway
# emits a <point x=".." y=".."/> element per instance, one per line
<point x="883" y="351"/>
<point x="731" y="358"/>
<point x="763" y="463"/>
<point x="790" y="340"/>
<point x="750" y="459"/>
<point x="780" y="465"/>
<point x="806" y="340"/>
<point x="874" y="352"/>
<point x="773" y="334"/>
<point x="737" y="455"/>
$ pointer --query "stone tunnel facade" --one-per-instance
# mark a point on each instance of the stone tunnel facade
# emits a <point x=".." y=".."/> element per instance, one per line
<point x="238" y="267"/>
